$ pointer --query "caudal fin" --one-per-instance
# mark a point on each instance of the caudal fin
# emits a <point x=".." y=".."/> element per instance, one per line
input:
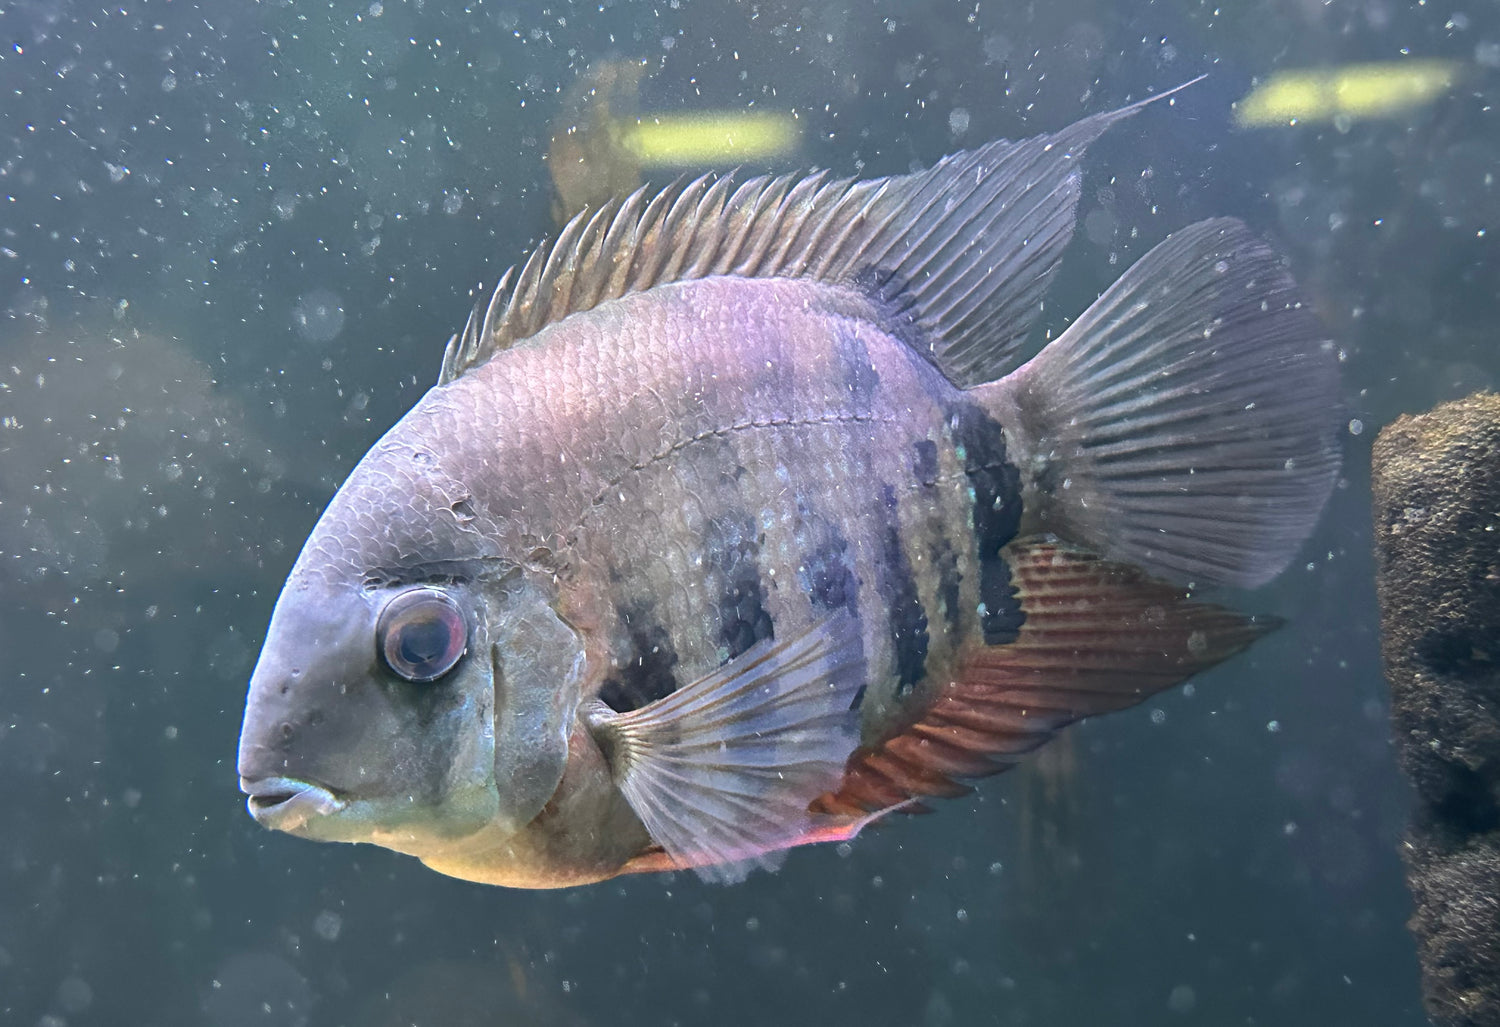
<point x="1188" y="422"/>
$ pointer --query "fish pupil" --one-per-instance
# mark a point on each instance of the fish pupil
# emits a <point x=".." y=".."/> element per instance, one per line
<point x="424" y="641"/>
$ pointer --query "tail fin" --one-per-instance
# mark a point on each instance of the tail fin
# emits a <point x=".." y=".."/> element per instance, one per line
<point x="1188" y="421"/>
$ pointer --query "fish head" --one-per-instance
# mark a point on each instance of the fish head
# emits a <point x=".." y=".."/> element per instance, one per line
<point x="415" y="689"/>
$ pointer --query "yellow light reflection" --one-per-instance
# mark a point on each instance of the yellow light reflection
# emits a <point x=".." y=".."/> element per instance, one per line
<point x="709" y="137"/>
<point x="1351" y="91"/>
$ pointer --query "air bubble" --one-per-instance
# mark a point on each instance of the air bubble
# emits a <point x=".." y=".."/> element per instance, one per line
<point x="327" y="925"/>
<point x="1197" y="643"/>
<point x="319" y="315"/>
<point x="75" y="995"/>
<point x="1183" y="999"/>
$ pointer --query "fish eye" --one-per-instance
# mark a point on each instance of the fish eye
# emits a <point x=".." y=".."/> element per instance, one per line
<point x="422" y="634"/>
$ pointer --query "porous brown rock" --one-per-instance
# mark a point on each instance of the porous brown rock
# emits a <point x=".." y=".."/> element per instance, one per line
<point x="1436" y="481"/>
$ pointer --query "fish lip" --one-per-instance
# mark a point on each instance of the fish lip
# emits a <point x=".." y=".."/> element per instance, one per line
<point x="286" y="804"/>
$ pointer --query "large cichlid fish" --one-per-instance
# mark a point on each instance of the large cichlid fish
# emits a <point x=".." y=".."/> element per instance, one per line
<point x="736" y="519"/>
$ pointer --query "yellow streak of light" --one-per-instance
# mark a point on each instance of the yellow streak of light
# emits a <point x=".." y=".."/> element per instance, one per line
<point x="709" y="137"/>
<point x="1352" y="91"/>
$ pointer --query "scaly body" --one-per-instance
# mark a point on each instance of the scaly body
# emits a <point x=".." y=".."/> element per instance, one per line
<point x="703" y="494"/>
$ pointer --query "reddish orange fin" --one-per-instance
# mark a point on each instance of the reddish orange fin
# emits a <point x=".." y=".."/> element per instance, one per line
<point x="822" y="830"/>
<point x="1098" y="636"/>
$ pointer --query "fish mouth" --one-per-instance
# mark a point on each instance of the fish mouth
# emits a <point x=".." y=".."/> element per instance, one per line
<point x="286" y="804"/>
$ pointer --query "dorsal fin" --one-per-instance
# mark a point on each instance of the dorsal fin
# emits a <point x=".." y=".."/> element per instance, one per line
<point x="961" y="252"/>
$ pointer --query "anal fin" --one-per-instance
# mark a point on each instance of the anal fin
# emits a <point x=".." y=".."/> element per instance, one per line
<point x="822" y="829"/>
<point x="1098" y="636"/>
<point x="722" y="771"/>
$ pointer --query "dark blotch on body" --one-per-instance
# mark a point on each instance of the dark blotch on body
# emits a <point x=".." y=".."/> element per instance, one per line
<point x="945" y="561"/>
<point x="859" y="374"/>
<point x="648" y="672"/>
<point x="827" y="577"/>
<point x="940" y="554"/>
<point x="997" y="516"/>
<point x="732" y="550"/>
<point x="898" y="588"/>
<point x="924" y="464"/>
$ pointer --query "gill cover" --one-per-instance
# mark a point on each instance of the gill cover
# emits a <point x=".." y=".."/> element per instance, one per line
<point x="538" y="669"/>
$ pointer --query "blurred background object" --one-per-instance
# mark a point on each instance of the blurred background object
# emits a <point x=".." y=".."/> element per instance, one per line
<point x="1437" y="545"/>
<point x="587" y="157"/>
<point x="603" y="144"/>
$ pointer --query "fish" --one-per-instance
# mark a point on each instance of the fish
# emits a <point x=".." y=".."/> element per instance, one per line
<point x="742" y="517"/>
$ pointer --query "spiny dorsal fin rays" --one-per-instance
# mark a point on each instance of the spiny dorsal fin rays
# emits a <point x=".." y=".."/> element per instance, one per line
<point x="496" y="308"/>
<point x="961" y="252"/>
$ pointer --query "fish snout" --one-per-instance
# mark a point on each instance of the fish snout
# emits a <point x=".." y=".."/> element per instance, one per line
<point x="305" y="708"/>
<point x="287" y="804"/>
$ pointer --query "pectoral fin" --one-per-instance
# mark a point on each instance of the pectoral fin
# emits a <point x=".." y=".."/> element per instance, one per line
<point x="721" y="771"/>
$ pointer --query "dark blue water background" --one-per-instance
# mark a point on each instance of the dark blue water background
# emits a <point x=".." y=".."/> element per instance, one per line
<point x="233" y="238"/>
